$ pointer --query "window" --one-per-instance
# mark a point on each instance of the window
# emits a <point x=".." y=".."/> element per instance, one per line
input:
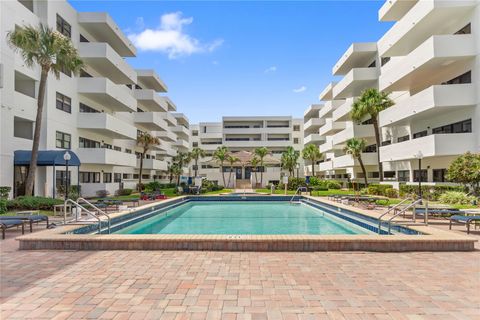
<point x="83" y="39"/>
<point x="89" y="177"/>
<point x="296" y="127"/>
<point x="195" y="133"/>
<point x="385" y="60"/>
<point x="135" y="176"/>
<point x="63" y="69"/>
<point x="87" y="143"/>
<point x="386" y="142"/>
<point x="116" y="148"/>
<point x="87" y="109"/>
<point x="295" y="140"/>
<point x="420" y="134"/>
<point x="145" y="176"/>
<point x="457" y="127"/>
<point x="374" y="174"/>
<point x="139" y="110"/>
<point x="106" y="146"/>
<point x="463" y="78"/>
<point x="85" y="74"/>
<point x="195" y="144"/>
<point x="439" y="175"/>
<point x="418" y="173"/>
<point x="204" y="129"/>
<point x="371" y="148"/>
<point x="63" y="140"/>
<point x="373" y="64"/>
<point x="107" y="177"/>
<point x="128" y="150"/>
<point x="22" y="128"/>
<point x="117" y="177"/>
<point x="368" y="121"/>
<point x="126" y="176"/>
<point x="64" y="103"/>
<point x="138" y="154"/>
<point x="64" y="27"/>
<point x="465" y="30"/>
<point x="61" y="178"/>
<point x="389" y="174"/>
<point x="403" y="175"/>
<point x="403" y="138"/>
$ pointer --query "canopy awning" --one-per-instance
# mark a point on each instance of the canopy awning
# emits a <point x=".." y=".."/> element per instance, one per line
<point x="45" y="158"/>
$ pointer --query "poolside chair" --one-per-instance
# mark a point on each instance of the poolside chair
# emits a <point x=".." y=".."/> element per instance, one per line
<point x="31" y="219"/>
<point x="6" y="224"/>
<point x="465" y="220"/>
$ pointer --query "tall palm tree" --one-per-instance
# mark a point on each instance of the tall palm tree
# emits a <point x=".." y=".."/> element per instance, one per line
<point x="355" y="148"/>
<point x="290" y="160"/>
<point x="371" y="102"/>
<point x="221" y="155"/>
<point x="261" y="153"/>
<point x="171" y="170"/>
<point x="231" y="160"/>
<point x="312" y="154"/>
<point x="195" y="155"/>
<point x="181" y="159"/>
<point x="52" y="52"/>
<point x="255" y="162"/>
<point x="146" y="141"/>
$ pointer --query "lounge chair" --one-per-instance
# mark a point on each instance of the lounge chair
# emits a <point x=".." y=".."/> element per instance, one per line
<point x="27" y="218"/>
<point x="6" y="224"/>
<point x="439" y="211"/>
<point x="465" y="220"/>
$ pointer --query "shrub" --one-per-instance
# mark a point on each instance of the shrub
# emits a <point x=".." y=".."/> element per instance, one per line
<point x="466" y="169"/>
<point x="124" y="192"/>
<point x="208" y="186"/>
<point x="430" y="192"/>
<point x="332" y="184"/>
<point x="320" y="188"/>
<point x="295" y="183"/>
<point x="74" y="191"/>
<point x="33" y="203"/>
<point x="391" y="193"/>
<point x="455" y="197"/>
<point x="3" y="206"/>
<point x="102" y="193"/>
<point x="314" y="181"/>
<point x="378" y="189"/>
<point x="4" y="191"/>
<point x="153" y="186"/>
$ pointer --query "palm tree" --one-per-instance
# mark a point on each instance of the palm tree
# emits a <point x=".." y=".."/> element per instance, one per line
<point x="372" y="102"/>
<point x="171" y="170"/>
<point x="255" y="162"/>
<point x="261" y="153"/>
<point x="221" y="155"/>
<point x="355" y="148"/>
<point x="180" y="160"/>
<point x="231" y="160"/>
<point x="52" y="52"/>
<point x="146" y="141"/>
<point x="313" y="154"/>
<point x="290" y="160"/>
<point x="195" y="155"/>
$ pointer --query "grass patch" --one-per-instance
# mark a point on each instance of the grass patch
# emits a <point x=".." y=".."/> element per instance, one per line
<point x="291" y="192"/>
<point x="218" y="191"/>
<point x="44" y="212"/>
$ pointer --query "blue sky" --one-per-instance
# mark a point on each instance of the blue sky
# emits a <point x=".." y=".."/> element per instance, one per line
<point x="242" y="58"/>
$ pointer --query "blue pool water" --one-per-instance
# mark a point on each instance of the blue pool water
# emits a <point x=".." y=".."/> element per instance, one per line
<point x="215" y="217"/>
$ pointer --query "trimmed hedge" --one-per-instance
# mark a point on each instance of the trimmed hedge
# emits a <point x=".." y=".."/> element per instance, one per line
<point x="32" y="203"/>
<point x="124" y="192"/>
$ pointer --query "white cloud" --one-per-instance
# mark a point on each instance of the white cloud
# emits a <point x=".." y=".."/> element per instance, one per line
<point x="170" y="37"/>
<point x="270" y="69"/>
<point x="301" y="89"/>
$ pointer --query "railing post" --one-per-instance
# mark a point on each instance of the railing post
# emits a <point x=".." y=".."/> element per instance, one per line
<point x="426" y="213"/>
<point x="414" y="217"/>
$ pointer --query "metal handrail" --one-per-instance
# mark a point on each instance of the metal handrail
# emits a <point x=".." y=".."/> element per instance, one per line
<point x="86" y="210"/>
<point x="413" y="204"/>
<point x="291" y="200"/>
<point x="393" y="208"/>
<point x="98" y="210"/>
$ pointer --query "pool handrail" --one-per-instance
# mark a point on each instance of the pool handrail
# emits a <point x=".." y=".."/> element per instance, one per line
<point x="78" y="205"/>
<point x="389" y="210"/>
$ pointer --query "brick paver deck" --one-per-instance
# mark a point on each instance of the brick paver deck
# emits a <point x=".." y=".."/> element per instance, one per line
<point x="236" y="285"/>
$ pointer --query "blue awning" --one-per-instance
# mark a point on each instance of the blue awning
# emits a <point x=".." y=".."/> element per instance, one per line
<point x="45" y="158"/>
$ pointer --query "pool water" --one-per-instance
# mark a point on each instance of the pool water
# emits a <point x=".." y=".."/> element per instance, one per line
<point x="218" y="217"/>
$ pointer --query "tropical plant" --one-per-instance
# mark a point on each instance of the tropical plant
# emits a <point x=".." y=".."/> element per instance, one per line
<point x="221" y="155"/>
<point x="312" y="154"/>
<point x="146" y="141"/>
<point x="455" y="197"/>
<point x="355" y="148"/>
<point x="371" y="102"/>
<point x="466" y="170"/>
<point x="255" y="162"/>
<point x="195" y="155"/>
<point x="52" y="52"/>
<point x="290" y="160"/>
<point x="231" y="160"/>
<point x="174" y="170"/>
<point x="181" y="159"/>
<point x="261" y="153"/>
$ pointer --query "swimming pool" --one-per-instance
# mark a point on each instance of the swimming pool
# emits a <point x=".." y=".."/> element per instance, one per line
<point x="247" y="217"/>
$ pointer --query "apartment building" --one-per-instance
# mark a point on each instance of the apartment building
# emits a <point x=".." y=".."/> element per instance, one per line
<point x="247" y="133"/>
<point x="96" y="115"/>
<point x="429" y="62"/>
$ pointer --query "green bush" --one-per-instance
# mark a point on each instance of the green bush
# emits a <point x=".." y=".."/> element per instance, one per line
<point x="152" y="186"/>
<point x="332" y="184"/>
<point x="124" y="192"/>
<point x="430" y="192"/>
<point x="74" y="192"/>
<point x="4" y="191"/>
<point x="391" y="193"/>
<point x="378" y="189"/>
<point x="208" y="186"/>
<point x="315" y="182"/>
<point x="3" y="206"/>
<point x="456" y="197"/>
<point x="32" y="203"/>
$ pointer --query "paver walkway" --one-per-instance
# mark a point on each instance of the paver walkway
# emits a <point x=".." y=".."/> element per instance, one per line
<point x="235" y="285"/>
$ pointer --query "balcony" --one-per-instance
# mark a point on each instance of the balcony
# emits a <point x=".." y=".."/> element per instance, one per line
<point x="167" y="151"/>
<point x="435" y="145"/>
<point x="312" y="112"/>
<point x="313" y="125"/>
<point x="167" y="136"/>
<point x="25" y="106"/>
<point x="106" y="157"/>
<point x="256" y="144"/>
<point x="330" y="127"/>
<point x="429" y="102"/>
<point x="150" y="80"/>
<point x="181" y="131"/>
<point x="420" y="22"/>
<point x="107" y="62"/>
<point x="182" y="144"/>
<point x="151" y="121"/>
<point x="346" y="161"/>
<point x="150" y="100"/>
<point x="355" y="82"/>
<point x="102" y="27"/>
<point x="169" y="118"/>
<point x="171" y="106"/>
<point x="106" y="125"/>
<point x="357" y="131"/>
<point x="342" y="113"/>
<point x="327" y="146"/>
<point x="357" y="55"/>
<point x="326" y="94"/>
<point x="328" y="108"/>
<point x="181" y="119"/>
<point x="421" y="68"/>
<point x="153" y="164"/>
<point x="394" y="10"/>
<point x="105" y="92"/>
<point x="314" y="138"/>
<point x="326" y="165"/>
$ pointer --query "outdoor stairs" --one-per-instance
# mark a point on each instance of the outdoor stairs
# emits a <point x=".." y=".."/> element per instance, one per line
<point x="243" y="184"/>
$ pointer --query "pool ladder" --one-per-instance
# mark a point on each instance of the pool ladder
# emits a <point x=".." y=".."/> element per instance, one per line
<point x="295" y="194"/>
<point x="399" y="212"/>
<point x="90" y="213"/>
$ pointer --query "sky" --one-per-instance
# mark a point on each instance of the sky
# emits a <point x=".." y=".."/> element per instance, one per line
<point x="242" y="58"/>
